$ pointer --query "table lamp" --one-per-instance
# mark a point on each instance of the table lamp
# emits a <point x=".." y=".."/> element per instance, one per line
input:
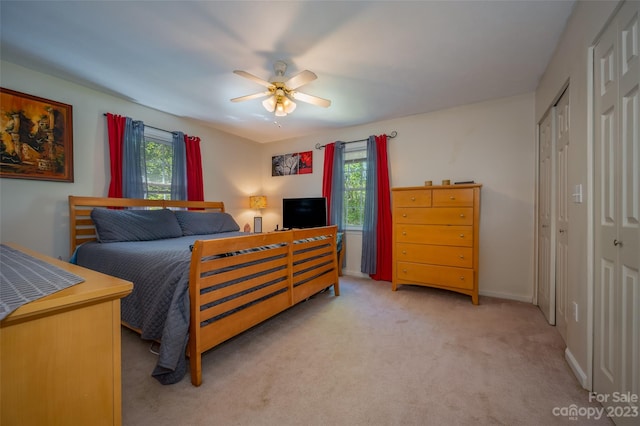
<point x="257" y="202"/>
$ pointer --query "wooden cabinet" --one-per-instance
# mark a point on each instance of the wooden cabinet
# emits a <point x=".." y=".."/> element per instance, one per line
<point x="436" y="237"/>
<point x="60" y="356"/>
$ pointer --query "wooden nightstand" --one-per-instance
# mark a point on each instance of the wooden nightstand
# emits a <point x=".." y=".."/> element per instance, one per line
<point x="60" y="356"/>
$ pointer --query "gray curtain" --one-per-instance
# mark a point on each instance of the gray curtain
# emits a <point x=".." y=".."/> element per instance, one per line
<point x="369" y="240"/>
<point x="179" y="169"/>
<point x="337" y="187"/>
<point x="134" y="163"/>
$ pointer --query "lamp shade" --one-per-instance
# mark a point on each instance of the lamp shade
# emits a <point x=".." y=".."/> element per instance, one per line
<point x="270" y="103"/>
<point x="258" y="202"/>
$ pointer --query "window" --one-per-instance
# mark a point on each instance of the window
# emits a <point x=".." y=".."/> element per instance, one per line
<point x="355" y="180"/>
<point x="158" y="146"/>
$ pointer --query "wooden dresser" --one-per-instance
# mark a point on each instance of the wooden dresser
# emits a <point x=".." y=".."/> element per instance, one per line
<point x="60" y="356"/>
<point x="436" y="237"/>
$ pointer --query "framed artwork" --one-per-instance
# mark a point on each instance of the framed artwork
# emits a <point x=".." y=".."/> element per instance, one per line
<point x="299" y="163"/>
<point x="257" y="224"/>
<point x="305" y="162"/>
<point x="36" y="138"/>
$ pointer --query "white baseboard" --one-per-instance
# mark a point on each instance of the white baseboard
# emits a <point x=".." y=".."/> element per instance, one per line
<point x="575" y="367"/>
<point x="526" y="299"/>
<point x="499" y="295"/>
<point x="355" y="274"/>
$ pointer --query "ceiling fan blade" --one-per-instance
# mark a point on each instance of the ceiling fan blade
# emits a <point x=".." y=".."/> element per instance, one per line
<point x="300" y="79"/>
<point x="249" y="97"/>
<point x="325" y="103"/>
<point x="253" y="78"/>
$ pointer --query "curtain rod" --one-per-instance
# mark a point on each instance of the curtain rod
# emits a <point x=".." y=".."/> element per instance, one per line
<point x="157" y="128"/>
<point x="391" y="135"/>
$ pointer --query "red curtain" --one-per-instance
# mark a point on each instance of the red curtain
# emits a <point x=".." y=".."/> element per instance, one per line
<point x="327" y="176"/>
<point x="195" y="188"/>
<point x="115" y="126"/>
<point x="383" y="256"/>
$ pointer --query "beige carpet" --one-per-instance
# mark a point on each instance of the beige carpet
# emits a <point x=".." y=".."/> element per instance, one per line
<point x="371" y="356"/>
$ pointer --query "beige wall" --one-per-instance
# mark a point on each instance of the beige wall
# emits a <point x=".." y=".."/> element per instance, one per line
<point x="35" y="213"/>
<point x="491" y="142"/>
<point x="570" y="64"/>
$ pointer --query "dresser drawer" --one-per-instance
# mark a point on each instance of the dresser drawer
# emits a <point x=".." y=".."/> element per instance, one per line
<point x="435" y="216"/>
<point x="412" y="198"/>
<point x="435" y="234"/>
<point x="430" y="274"/>
<point x="436" y="255"/>
<point x="453" y="197"/>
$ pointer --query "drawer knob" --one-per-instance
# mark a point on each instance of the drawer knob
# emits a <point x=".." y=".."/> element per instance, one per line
<point x="461" y="214"/>
<point x="404" y="215"/>
<point x="461" y="235"/>
<point x="413" y="198"/>
<point x="404" y="232"/>
<point x="404" y="252"/>
<point x="404" y="270"/>
<point x="461" y="278"/>
<point x="461" y="256"/>
<point x="452" y="197"/>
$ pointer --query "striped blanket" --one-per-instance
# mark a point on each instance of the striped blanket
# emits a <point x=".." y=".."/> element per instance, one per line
<point x="24" y="278"/>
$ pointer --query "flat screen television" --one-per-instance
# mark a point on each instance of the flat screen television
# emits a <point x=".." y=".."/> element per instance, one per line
<point x="304" y="212"/>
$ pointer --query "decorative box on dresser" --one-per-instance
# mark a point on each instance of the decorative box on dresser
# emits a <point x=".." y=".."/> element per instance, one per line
<point x="436" y="237"/>
<point x="60" y="355"/>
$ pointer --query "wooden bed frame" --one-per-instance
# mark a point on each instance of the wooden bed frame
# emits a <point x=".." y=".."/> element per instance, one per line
<point x="304" y="264"/>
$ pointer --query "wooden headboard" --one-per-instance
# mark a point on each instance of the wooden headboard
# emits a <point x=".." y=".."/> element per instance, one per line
<point x="82" y="228"/>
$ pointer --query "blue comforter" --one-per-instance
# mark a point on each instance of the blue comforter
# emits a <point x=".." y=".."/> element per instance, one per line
<point x="159" y="303"/>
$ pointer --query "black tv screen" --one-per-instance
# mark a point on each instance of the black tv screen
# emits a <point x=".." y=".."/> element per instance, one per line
<point x="304" y="212"/>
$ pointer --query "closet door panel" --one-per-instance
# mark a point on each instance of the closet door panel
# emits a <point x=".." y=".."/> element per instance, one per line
<point x="630" y="158"/>
<point x="606" y="348"/>
<point x="606" y="345"/>
<point x="629" y="233"/>
<point x="617" y="210"/>
<point x="546" y="248"/>
<point x="563" y="159"/>
<point x="630" y="331"/>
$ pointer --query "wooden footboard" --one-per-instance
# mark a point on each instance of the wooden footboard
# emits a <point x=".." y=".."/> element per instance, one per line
<point x="267" y="274"/>
<point x="238" y="282"/>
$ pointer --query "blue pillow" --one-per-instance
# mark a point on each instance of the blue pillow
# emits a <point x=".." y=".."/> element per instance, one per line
<point x="135" y="225"/>
<point x="200" y="223"/>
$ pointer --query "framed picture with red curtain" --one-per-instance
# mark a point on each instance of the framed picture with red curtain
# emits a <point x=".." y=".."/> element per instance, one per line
<point x="36" y="137"/>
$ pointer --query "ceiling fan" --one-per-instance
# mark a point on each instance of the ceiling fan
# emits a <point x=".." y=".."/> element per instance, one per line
<point x="282" y="91"/>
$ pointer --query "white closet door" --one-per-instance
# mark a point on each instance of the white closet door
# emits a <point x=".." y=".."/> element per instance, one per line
<point x="546" y="249"/>
<point x="617" y="211"/>
<point x="629" y="222"/>
<point x="563" y="196"/>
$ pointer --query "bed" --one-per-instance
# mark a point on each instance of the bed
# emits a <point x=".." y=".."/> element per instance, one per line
<point x="202" y="283"/>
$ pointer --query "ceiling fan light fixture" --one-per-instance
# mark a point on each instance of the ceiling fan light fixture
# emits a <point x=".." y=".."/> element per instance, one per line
<point x="281" y="92"/>
<point x="269" y="104"/>
<point x="289" y="105"/>
<point x="280" y="110"/>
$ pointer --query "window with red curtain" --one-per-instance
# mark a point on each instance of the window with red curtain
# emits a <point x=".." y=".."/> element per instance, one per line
<point x="380" y="252"/>
<point x="192" y="157"/>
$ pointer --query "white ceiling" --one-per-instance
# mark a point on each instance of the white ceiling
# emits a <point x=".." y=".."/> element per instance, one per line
<point x="375" y="60"/>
